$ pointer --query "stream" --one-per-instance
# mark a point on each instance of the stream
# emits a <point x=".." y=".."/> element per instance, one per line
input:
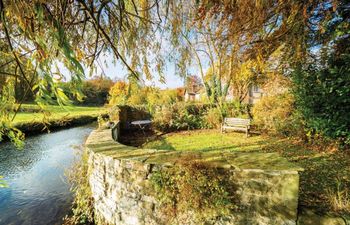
<point x="38" y="191"/>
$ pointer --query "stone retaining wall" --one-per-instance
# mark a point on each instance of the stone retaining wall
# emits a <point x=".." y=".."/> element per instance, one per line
<point x="267" y="185"/>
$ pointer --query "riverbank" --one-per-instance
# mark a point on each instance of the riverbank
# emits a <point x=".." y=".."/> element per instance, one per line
<point x="31" y="121"/>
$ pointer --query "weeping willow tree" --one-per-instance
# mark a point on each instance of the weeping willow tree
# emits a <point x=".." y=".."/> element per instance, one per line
<point x="38" y="38"/>
<point x="257" y="28"/>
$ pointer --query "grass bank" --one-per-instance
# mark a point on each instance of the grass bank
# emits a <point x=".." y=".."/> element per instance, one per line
<point x="324" y="185"/>
<point x="31" y="120"/>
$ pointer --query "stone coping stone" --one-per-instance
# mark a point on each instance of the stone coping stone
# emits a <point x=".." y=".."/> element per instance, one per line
<point x="101" y="142"/>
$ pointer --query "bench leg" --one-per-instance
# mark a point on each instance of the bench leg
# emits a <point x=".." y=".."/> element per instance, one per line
<point x="222" y="129"/>
<point x="247" y="133"/>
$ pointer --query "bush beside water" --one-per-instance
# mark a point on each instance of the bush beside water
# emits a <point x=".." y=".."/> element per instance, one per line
<point x="82" y="209"/>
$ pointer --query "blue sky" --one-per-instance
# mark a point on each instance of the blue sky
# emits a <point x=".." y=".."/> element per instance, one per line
<point x="106" y="65"/>
<point x="116" y="70"/>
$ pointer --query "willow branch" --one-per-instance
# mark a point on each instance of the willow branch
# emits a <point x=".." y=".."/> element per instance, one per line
<point x="107" y="38"/>
<point x="10" y="74"/>
<point x="8" y="38"/>
<point x="20" y="56"/>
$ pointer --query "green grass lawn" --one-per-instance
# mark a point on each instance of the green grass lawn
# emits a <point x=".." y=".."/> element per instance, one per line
<point x="324" y="170"/>
<point x="207" y="140"/>
<point x="56" y="113"/>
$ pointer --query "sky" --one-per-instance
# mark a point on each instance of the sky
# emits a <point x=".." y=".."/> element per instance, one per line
<point x="106" y="66"/>
<point x="118" y="71"/>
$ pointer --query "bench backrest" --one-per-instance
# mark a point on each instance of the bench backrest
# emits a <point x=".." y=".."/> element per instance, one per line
<point x="236" y="122"/>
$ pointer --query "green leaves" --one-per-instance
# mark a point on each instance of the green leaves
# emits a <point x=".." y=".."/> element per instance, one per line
<point x="322" y="96"/>
<point x="7" y="130"/>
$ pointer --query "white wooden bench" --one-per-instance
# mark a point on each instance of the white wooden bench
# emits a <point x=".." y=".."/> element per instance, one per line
<point x="236" y="124"/>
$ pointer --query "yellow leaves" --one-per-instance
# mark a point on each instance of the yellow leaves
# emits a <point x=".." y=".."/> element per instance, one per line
<point x="133" y="94"/>
<point x="146" y="69"/>
<point x="18" y="12"/>
<point x="62" y="97"/>
<point x="118" y="93"/>
<point x="273" y="113"/>
<point x="244" y="71"/>
<point x="29" y="65"/>
<point x="120" y="87"/>
<point x="260" y="4"/>
<point x="144" y="5"/>
<point x="79" y="54"/>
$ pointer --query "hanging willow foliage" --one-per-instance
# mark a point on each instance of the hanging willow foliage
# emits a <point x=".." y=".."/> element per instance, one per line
<point x="260" y="26"/>
<point x="37" y="37"/>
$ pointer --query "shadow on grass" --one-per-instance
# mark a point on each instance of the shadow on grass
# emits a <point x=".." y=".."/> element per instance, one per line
<point x="139" y="138"/>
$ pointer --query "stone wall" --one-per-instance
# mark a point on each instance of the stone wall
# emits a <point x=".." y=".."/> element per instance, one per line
<point x="266" y="184"/>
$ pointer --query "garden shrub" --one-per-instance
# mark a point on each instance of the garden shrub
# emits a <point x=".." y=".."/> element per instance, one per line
<point x="182" y="116"/>
<point x="187" y="121"/>
<point x="213" y="117"/>
<point x="235" y="109"/>
<point x="198" y="108"/>
<point x="322" y="97"/>
<point x="177" y="117"/>
<point x="162" y="118"/>
<point x="322" y="83"/>
<point x="276" y="115"/>
<point x="193" y="187"/>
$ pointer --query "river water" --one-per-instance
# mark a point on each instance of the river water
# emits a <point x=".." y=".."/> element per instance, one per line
<point x="38" y="192"/>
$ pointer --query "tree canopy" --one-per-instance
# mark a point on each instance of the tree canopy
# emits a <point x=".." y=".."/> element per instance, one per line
<point x="38" y="38"/>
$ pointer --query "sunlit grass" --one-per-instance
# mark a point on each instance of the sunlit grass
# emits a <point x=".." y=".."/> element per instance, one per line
<point x="207" y="140"/>
<point x="56" y="113"/>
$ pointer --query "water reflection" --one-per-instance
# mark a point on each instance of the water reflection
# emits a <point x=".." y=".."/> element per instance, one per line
<point x="38" y="193"/>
